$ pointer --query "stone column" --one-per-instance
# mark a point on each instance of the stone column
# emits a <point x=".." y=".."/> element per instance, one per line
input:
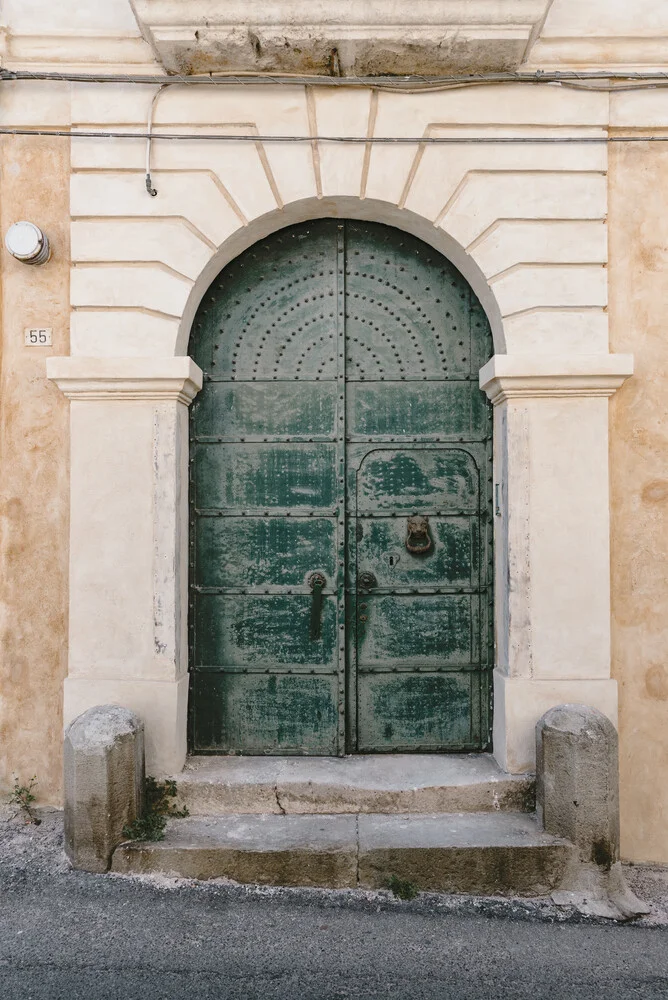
<point x="129" y="542"/>
<point x="552" y="545"/>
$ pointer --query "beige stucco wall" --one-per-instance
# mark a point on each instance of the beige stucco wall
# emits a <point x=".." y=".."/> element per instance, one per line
<point x="639" y="472"/>
<point x="34" y="442"/>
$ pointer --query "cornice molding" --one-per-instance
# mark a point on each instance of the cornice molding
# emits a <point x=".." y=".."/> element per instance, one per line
<point x="532" y="376"/>
<point x="111" y="379"/>
<point x="82" y="51"/>
<point x="596" y="52"/>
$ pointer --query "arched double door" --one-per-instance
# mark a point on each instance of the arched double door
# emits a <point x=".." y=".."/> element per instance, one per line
<point x="340" y="508"/>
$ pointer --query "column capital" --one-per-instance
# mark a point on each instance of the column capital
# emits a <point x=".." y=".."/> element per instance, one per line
<point x="110" y="379"/>
<point x="527" y="376"/>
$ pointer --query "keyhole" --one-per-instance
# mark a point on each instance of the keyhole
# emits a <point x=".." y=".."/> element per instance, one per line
<point x="391" y="560"/>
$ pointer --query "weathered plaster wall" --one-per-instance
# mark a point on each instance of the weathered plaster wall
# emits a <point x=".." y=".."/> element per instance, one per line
<point x="639" y="471"/>
<point x="34" y="438"/>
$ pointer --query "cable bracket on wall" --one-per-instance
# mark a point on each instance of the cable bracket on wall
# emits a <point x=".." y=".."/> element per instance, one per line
<point x="149" y="135"/>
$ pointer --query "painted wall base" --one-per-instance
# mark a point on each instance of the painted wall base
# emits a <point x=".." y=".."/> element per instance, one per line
<point x="162" y="705"/>
<point x="519" y="702"/>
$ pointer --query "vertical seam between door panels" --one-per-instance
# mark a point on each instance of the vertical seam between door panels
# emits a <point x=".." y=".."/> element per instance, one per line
<point x="340" y="452"/>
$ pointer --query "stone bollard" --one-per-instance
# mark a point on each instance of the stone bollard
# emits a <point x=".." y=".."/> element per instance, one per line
<point x="104" y="783"/>
<point x="577" y="780"/>
<point x="577" y="798"/>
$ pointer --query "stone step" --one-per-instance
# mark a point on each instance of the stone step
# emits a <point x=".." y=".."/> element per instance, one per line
<point x="370" y="783"/>
<point x="501" y="853"/>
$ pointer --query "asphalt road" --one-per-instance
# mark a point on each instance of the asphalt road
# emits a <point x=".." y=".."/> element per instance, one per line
<point x="87" y="937"/>
<point x="66" y="934"/>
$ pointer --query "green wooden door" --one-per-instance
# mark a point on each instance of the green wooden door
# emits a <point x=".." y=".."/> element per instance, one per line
<point x="340" y="593"/>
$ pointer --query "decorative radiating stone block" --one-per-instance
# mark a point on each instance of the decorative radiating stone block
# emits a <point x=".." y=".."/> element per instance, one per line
<point x="104" y="781"/>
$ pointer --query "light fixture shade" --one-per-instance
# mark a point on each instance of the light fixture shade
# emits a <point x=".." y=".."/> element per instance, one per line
<point x="27" y="242"/>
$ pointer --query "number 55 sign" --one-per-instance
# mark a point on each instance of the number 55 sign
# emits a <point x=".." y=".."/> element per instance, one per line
<point x="38" y="336"/>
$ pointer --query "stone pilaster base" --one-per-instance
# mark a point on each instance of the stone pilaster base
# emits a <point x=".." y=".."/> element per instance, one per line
<point x="519" y="702"/>
<point x="162" y="705"/>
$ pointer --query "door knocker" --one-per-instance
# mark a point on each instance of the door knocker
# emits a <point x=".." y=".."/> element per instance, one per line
<point x="418" y="539"/>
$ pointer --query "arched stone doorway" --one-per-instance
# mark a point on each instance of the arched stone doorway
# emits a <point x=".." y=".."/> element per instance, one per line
<point x="341" y="480"/>
<point x="128" y="641"/>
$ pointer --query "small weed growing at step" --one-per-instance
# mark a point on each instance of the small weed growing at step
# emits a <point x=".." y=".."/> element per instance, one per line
<point x="157" y="808"/>
<point x="402" y="888"/>
<point x="22" y="796"/>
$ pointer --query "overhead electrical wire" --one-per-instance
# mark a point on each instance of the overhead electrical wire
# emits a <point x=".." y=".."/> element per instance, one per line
<point x="596" y="79"/>
<point x="445" y="140"/>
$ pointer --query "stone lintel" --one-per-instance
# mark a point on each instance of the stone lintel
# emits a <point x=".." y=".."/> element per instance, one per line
<point x="109" y="379"/>
<point x="526" y="376"/>
<point x="398" y="37"/>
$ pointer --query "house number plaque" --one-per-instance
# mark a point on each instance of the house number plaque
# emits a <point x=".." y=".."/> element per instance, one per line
<point x="38" y="336"/>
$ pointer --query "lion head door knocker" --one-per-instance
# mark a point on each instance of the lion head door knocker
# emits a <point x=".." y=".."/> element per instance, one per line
<point x="418" y="539"/>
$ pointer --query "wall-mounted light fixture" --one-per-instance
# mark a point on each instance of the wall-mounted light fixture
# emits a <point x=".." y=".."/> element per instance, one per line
<point x="28" y="243"/>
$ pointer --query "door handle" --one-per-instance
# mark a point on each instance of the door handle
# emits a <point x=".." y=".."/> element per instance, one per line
<point x="366" y="581"/>
<point x="316" y="582"/>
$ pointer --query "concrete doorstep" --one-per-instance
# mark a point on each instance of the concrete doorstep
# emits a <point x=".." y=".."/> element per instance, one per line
<point x="370" y="783"/>
<point x="450" y="823"/>
<point x="482" y="853"/>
